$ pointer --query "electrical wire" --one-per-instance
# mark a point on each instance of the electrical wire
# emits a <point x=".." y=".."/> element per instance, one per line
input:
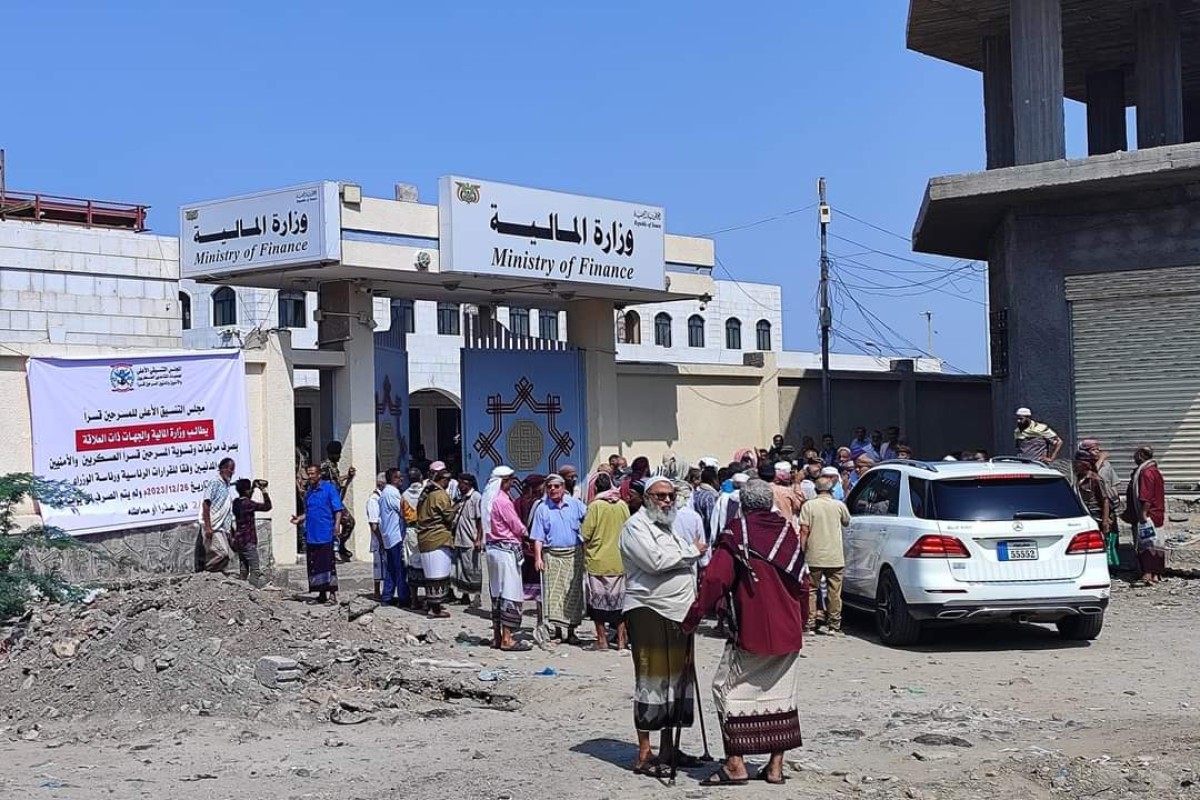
<point x="756" y="223"/>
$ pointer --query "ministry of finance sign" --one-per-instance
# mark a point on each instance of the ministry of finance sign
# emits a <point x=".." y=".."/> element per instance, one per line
<point x="498" y="229"/>
<point x="300" y="226"/>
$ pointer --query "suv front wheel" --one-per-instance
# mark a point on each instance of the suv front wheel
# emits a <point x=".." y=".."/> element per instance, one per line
<point x="895" y="625"/>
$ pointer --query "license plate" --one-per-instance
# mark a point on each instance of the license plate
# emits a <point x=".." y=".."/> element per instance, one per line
<point x="1017" y="551"/>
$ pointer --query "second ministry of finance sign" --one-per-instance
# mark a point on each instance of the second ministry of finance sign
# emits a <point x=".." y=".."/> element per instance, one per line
<point x="509" y="231"/>
<point x="299" y="226"/>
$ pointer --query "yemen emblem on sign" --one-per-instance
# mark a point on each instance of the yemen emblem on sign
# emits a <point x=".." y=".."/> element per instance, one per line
<point x="467" y="192"/>
<point x="121" y="377"/>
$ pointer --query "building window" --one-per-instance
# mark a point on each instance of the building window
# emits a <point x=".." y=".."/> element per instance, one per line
<point x="695" y="331"/>
<point x="548" y="324"/>
<point x="518" y="321"/>
<point x="408" y="316"/>
<point x="733" y="334"/>
<point x="185" y="310"/>
<point x="224" y="303"/>
<point x="448" y="319"/>
<point x="632" y="328"/>
<point x="292" y="312"/>
<point x="662" y="329"/>
<point x="763" y="331"/>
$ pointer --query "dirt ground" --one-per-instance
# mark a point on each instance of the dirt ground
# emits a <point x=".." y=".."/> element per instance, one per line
<point x="971" y="713"/>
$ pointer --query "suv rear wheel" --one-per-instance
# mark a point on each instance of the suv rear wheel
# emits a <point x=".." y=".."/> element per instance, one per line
<point x="1081" y="628"/>
<point x="895" y="625"/>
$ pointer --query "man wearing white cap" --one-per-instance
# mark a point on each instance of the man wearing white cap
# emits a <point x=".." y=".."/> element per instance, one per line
<point x="559" y="557"/>
<point x="660" y="587"/>
<point x="787" y="496"/>
<point x="839" y="490"/>
<point x="821" y="524"/>
<point x="1036" y="441"/>
<point x="505" y="534"/>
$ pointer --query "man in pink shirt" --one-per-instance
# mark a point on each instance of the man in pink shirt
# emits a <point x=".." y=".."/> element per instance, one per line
<point x="505" y="536"/>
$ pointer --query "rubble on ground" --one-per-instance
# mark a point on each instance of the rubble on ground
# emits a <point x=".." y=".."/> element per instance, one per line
<point x="207" y="645"/>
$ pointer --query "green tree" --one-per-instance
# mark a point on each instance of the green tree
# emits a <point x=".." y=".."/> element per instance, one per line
<point x="18" y="583"/>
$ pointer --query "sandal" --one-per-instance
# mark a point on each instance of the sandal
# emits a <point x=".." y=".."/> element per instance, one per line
<point x="518" y="647"/>
<point x="722" y="778"/>
<point x="765" y="776"/>
<point x="438" y="615"/>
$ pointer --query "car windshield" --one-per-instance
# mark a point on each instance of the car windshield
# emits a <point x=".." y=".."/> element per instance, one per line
<point x="1002" y="499"/>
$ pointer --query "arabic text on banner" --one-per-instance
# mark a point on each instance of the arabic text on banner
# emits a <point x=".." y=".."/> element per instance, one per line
<point x="139" y="435"/>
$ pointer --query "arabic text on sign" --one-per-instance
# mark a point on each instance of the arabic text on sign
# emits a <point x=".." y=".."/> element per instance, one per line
<point x="123" y="436"/>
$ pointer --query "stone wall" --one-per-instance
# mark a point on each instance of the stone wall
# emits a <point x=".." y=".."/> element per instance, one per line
<point x="163" y="550"/>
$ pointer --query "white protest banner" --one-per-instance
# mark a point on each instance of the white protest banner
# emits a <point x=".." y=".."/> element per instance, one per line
<point x="489" y="228"/>
<point x="139" y="435"/>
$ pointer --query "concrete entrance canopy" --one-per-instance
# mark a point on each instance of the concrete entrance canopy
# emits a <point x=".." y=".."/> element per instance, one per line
<point x="391" y="248"/>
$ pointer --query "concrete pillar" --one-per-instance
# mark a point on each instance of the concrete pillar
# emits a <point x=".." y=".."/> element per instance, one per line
<point x="1025" y="279"/>
<point x="1037" y="76"/>
<point x="590" y="329"/>
<point x="906" y="404"/>
<point x="1106" y="111"/>
<point x="279" y="442"/>
<point x="998" y="101"/>
<point x="1158" y="74"/>
<point x="351" y="395"/>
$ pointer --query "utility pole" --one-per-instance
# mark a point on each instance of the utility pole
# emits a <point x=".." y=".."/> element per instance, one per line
<point x="928" y="315"/>
<point x="826" y="320"/>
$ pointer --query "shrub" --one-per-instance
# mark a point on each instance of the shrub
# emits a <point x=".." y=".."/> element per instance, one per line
<point x="18" y="583"/>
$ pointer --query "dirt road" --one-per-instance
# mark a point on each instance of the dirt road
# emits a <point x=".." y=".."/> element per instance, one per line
<point x="999" y="712"/>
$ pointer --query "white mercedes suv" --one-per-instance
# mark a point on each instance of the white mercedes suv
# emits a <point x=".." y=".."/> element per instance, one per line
<point x="961" y="541"/>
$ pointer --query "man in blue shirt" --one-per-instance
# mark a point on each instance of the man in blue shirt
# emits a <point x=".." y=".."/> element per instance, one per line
<point x="392" y="530"/>
<point x="559" y="557"/>
<point x="322" y="520"/>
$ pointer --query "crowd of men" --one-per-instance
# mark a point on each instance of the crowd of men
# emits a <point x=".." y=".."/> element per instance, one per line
<point x="647" y="555"/>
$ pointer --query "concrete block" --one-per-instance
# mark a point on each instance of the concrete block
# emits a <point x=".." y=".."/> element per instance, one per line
<point x="5" y="320"/>
<point x="65" y="303"/>
<point x="37" y="321"/>
<point x="130" y="306"/>
<point x="278" y="672"/>
<point x="30" y="301"/>
<point x="88" y="304"/>
<point x="140" y="327"/>
<point x="14" y="280"/>
<point x="54" y="282"/>
<point x="19" y="320"/>
<point x="81" y="285"/>
<point x="131" y="287"/>
<point x="8" y="299"/>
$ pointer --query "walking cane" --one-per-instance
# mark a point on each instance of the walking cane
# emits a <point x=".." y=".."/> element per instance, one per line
<point x="700" y="710"/>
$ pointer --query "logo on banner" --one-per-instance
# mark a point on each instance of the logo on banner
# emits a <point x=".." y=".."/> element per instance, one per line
<point x="122" y="378"/>
<point x="467" y="192"/>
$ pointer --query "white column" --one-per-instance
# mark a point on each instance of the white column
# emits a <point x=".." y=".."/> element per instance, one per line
<point x="353" y="413"/>
<point x="591" y="328"/>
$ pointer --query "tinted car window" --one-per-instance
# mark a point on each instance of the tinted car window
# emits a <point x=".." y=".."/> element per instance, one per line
<point x="918" y="494"/>
<point x="877" y="494"/>
<point x="995" y="500"/>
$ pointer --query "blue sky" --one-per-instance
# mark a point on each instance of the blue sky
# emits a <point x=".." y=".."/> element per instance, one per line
<point x="723" y="118"/>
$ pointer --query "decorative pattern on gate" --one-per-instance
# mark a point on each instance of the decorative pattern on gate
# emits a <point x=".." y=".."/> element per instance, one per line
<point x="523" y="441"/>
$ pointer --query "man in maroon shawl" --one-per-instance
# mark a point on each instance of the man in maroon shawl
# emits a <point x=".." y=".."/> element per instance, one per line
<point x="756" y="564"/>
<point x="1146" y="510"/>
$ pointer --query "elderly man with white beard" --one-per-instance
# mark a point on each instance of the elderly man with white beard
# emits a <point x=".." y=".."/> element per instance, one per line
<point x="660" y="587"/>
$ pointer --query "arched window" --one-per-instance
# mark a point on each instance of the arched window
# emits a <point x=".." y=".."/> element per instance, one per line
<point x="185" y="310"/>
<point x="224" y="303"/>
<point x="695" y="331"/>
<point x="448" y="319"/>
<point x="632" y="328"/>
<point x="733" y="334"/>
<point x="518" y="321"/>
<point x="292" y="312"/>
<point x="662" y="329"/>
<point x="763" y="332"/>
